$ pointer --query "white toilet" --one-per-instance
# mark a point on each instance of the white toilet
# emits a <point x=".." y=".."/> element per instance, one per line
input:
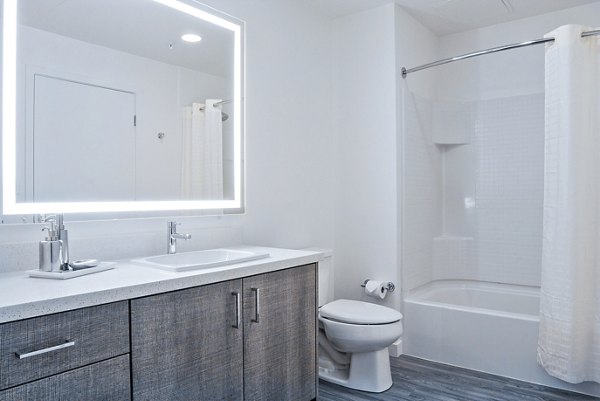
<point x="354" y="337"/>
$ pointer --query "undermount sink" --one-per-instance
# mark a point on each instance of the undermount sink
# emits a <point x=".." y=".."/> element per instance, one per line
<point x="200" y="259"/>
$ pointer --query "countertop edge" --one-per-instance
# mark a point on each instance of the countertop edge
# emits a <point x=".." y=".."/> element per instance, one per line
<point x="165" y="282"/>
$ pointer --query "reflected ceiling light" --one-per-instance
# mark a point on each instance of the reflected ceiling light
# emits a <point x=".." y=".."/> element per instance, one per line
<point x="191" y="38"/>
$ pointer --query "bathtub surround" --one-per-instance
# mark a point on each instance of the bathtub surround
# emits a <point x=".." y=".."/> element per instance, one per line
<point x="501" y="95"/>
<point x="473" y="202"/>
<point x="492" y="189"/>
<point x="474" y="171"/>
<point x="569" y="340"/>
<point x="422" y="189"/>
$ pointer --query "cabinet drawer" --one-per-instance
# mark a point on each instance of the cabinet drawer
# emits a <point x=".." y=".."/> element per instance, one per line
<point x="43" y="346"/>
<point x="107" y="380"/>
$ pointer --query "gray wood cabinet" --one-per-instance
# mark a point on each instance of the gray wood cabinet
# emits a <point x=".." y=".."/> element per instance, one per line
<point x="280" y="338"/>
<point x="252" y="338"/>
<point x="107" y="380"/>
<point x="56" y="343"/>
<point x="185" y="344"/>
<point x="197" y="344"/>
<point x="81" y="354"/>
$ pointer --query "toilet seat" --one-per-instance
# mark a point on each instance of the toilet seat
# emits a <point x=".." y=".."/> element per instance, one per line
<point x="358" y="312"/>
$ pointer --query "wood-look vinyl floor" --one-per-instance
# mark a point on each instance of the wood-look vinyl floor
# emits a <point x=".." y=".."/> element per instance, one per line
<point x="419" y="380"/>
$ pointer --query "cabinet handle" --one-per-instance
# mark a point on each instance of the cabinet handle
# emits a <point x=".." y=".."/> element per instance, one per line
<point x="66" y="344"/>
<point x="238" y="306"/>
<point x="256" y="292"/>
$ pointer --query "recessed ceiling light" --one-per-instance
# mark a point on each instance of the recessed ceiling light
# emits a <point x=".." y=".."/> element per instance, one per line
<point x="191" y="38"/>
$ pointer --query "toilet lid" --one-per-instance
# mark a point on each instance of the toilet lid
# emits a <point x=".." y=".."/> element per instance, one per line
<point x="357" y="312"/>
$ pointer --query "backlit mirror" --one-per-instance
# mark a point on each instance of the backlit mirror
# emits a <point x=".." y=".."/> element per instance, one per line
<point x="121" y="105"/>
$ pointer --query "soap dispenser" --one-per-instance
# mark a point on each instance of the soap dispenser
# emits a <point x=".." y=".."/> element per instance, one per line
<point x="51" y="250"/>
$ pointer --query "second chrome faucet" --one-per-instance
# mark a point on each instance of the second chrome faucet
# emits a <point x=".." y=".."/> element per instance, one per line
<point x="173" y="236"/>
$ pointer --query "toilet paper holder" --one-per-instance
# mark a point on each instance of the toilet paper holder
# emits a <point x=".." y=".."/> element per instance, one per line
<point x="390" y="286"/>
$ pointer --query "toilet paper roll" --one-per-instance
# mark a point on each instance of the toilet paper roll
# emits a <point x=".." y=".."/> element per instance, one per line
<point x="376" y="289"/>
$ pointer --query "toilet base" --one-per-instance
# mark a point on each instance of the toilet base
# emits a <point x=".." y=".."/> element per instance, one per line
<point x="368" y="371"/>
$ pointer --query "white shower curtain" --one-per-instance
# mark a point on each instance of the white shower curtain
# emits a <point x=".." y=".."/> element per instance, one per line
<point x="569" y="337"/>
<point x="202" y="152"/>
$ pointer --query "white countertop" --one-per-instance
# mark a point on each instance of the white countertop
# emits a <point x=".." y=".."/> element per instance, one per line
<point x="24" y="297"/>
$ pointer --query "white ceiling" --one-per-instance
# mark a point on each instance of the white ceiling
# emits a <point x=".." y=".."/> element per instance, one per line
<point x="339" y="8"/>
<point x="141" y="27"/>
<point x="449" y="16"/>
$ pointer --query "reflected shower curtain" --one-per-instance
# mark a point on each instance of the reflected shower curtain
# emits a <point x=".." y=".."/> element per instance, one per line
<point x="202" y="147"/>
<point x="569" y="338"/>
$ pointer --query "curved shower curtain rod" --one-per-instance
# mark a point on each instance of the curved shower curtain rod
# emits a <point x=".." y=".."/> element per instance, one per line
<point x="406" y="71"/>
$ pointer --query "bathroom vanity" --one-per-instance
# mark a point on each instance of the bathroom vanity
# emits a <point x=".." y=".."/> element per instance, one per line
<point x="237" y="332"/>
<point x="159" y="129"/>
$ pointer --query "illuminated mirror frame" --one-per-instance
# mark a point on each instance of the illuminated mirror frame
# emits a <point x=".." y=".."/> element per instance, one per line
<point x="9" y="133"/>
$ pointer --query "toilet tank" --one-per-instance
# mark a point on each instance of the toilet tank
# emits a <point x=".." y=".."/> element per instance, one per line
<point x="325" y="269"/>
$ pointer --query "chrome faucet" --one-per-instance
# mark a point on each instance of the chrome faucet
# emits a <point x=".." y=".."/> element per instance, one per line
<point x="173" y="236"/>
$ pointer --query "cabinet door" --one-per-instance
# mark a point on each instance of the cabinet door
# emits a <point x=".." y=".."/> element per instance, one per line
<point x="184" y="345"/>
<point x="280" y="348"/>
<point x="107" y="380"/>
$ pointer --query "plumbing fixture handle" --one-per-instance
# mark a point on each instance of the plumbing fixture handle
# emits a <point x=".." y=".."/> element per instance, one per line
<point x="256" y="292"/>
<point x="52" y="231"/>
<point x="48" y="218"/>
<point x="173" y="226"/>
<point x="238" y="310"/>
<point x="65" y="344"/>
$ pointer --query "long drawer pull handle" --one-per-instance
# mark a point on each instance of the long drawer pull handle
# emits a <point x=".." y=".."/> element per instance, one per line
<point x="256" y="292"/>
<point x="66" y="344"/>
<point x="238" y="307"/>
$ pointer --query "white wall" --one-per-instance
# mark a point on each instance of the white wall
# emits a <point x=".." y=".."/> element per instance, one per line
<point x="378" y="228"/>
<point x="289" y="175"/>
<point x="369" y="49"/>
<point x="364" y="104"/>
<point x="289" y="152"/>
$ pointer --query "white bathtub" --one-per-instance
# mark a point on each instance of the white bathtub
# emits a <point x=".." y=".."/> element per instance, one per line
<point x="483" y="326"/>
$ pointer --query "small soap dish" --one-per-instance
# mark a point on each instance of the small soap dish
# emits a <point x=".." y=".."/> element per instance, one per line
<point x="65" y="275"/>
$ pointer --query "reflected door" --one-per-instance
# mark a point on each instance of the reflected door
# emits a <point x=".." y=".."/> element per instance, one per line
<point x="83" y="142"/>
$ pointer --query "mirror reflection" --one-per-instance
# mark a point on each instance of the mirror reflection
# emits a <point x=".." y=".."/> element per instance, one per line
<point x="122" y="100"/>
